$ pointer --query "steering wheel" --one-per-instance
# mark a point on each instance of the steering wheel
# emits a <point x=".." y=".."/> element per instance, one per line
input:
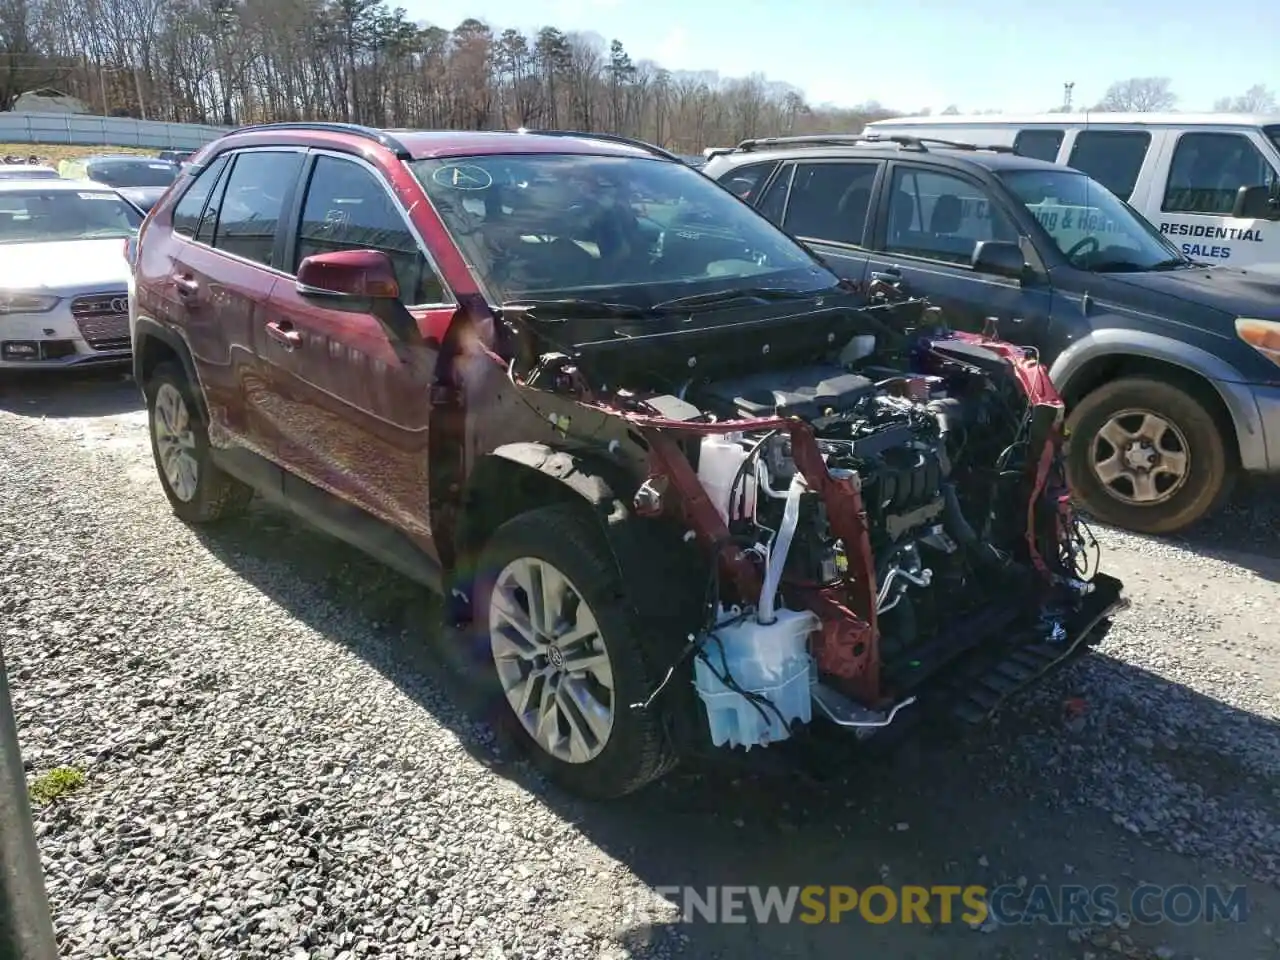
<point x="1078" y="247"/>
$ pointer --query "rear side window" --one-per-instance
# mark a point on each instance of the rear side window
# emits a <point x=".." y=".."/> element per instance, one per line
<point x="1111" y="157"/>
<point x="186" y="215"/>
<point x="774" y="201"/>
<point x="829" y="201"/>
<point x="253" y="202"/>
<point x="347" y="208"/>
<point x="745" y="182"/>
<point x="1038" y="144"/>
<point x="1209" y="168"/>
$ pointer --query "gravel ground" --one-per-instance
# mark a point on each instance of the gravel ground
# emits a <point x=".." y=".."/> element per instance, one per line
<point x="276" y="768"/>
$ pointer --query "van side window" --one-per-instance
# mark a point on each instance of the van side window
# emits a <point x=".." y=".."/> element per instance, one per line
<point x="1209" y="168"/>
<point x="1112" y="157"/>
<point x="1038" y="144"/>
<point x="941" y="217"/>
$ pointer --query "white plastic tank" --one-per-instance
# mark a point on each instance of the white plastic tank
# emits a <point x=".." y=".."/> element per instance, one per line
<point x="720" y="457"/>
<point x="770" y="660"/>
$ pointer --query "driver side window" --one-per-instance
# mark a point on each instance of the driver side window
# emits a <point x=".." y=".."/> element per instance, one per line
<point x="1209" y="168"/>
<point x="347" y="208"/>
<point x="941" y="217"/>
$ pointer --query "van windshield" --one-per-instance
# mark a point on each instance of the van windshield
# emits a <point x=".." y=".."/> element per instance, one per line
<point x="1094" y="229"/>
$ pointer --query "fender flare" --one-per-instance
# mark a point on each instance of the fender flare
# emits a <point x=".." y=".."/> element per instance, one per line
<point x="643" y="549"/>
<point x="1224" y="378"/>
<point x="145" y="328"/>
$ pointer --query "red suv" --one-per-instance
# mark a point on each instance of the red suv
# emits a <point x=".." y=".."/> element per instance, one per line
<point x="682" y="494"/>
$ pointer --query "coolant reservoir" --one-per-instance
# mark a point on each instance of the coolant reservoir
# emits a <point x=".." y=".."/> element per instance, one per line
<point x="720" y="457"/>
<point x="770" y="660"/>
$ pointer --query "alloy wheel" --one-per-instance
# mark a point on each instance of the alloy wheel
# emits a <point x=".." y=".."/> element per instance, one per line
<point x="175" y="442"/>
<point x="551" y="660"/>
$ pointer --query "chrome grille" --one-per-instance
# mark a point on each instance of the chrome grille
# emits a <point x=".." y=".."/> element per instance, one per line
<point x="103" y="320"/>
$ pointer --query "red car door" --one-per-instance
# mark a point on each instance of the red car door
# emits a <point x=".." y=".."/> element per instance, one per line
<point x="223" y="275"/>
<point x="351" y="402"/>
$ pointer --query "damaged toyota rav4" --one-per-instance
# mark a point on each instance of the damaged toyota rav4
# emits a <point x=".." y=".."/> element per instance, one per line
<point x="681" y="494"/>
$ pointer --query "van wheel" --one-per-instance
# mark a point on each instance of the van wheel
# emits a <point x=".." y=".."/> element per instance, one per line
<point x="567" y="656"/>
<point x="1147" y="456"/>
<point x="197" y="490"/>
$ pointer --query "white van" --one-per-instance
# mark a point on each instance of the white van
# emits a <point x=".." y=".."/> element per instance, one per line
<point x="1211" y="182"/>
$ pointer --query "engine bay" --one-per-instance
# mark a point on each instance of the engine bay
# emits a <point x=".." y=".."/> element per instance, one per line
<point x="874" y="500"/>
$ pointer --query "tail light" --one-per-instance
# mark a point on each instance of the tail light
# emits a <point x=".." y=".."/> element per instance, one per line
<point x="131" y="251"/>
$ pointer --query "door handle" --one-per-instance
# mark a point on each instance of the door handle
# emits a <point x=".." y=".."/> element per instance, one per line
<point x="185" y="286"/>
<point x="283" y="333"/>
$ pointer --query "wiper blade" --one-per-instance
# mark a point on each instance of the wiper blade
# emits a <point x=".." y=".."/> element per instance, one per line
<point x="570" y="307"/>
<point x="718" y="297"/>
<point x="1173" y="263"/>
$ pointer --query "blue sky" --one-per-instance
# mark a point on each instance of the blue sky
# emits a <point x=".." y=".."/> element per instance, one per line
<point x="1011" y="55"/>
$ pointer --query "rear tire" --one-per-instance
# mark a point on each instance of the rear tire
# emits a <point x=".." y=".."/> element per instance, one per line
<point x="197" y="490"/>
<point x="619" y="749"/>
<point x="1147" y="456"/>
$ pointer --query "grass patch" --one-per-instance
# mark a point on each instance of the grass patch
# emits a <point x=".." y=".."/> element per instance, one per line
<point x="55" y="153"/>
<point x="58" y="782"/>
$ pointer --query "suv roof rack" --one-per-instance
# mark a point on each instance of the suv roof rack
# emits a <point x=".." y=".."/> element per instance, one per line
<point x="608" y="138"/>
<point x="353" y="129"/>
<point x="840" y="139"/>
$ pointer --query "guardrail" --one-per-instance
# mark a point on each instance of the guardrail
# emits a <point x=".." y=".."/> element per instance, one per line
<point x="82" y="129"/>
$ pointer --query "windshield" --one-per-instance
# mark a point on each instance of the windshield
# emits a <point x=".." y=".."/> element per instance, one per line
<point x="39" y="216"/>
<point x="626" y="230"/>
<point x="133" y="173"/>
<point x="1092" y="227"/>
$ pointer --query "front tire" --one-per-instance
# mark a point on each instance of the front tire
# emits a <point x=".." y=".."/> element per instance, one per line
<point x="197" y="490"/>
<point x="566" y="654"/>
<point x="1147" y="456"/>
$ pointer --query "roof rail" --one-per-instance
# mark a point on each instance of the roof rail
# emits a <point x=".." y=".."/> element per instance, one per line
<point x="840" y="139"/>
<point x="608" y="138"/>
<point x="959" y="145"/>
<point x="324" y="126"/>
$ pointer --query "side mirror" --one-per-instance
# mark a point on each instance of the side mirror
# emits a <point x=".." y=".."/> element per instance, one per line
<point x="1258" y="202"/>
<point x="1000" y="258"/>
<point x="358" y="281"/>
<point x="348" y="278"/>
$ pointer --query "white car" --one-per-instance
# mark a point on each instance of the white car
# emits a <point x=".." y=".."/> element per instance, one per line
<point x="64" y="278"/>
<point x="27" y="171"/>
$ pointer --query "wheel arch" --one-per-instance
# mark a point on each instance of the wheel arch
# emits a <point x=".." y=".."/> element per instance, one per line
<point x="518" y="477"/>
<point x="153" y="344"/>
<point x="1099" y="358"/>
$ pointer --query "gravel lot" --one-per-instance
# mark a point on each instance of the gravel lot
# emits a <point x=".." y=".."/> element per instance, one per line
<point x="276" y="767"/>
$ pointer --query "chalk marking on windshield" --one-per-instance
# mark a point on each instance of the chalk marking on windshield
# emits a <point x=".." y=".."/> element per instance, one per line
<point x="463" y="176"/>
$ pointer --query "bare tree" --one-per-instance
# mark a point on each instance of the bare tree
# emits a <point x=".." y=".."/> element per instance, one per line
<point x="239" y="61"/>
<point x="1257" y="99"/>
<point x="1138" y="95"/>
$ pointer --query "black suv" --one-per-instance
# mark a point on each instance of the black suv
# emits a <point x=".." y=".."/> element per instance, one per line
<point x="1170" y="368"/>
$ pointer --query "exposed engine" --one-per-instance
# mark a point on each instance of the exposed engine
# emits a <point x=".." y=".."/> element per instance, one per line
<point x="870" y="516"/>
<point x="941" y="462"/>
